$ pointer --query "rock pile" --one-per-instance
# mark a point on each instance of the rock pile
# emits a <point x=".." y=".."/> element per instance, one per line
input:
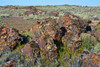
<point x="72" y="28"/>
<point x="45" y="32"/>
<point x="49" y="34"/>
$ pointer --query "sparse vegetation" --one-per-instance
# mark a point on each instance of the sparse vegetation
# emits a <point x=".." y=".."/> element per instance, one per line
<point x="81" y="11"/>
<point x="39" y="17"/>
<point x="67" y="55"/>
<point x="96" y="48"/>
<point x="4" y="15"/>
<point x="1" y="24"/>
<point x="88" y="41"/>
<point x="12" y="12"/>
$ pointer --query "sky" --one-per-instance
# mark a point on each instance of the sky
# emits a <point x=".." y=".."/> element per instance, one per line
<point x="50" y="2"/>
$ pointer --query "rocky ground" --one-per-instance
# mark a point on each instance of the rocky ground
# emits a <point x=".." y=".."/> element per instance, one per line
<point x="68" y="41"/>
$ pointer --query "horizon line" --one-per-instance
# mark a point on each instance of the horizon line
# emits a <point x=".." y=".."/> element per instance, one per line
<point x="52" y="5"/>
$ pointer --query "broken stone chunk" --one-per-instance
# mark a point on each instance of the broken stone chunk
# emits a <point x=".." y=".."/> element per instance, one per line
<point x="31" y="50"/>
<point x="9" y="37"/>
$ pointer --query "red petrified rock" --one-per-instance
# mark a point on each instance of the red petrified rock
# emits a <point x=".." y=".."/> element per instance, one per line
<point x="11" y="63"/>
<point x="48" y="33"/>
<point x="9" y="37"/>
<point x="45" y="32"/>
<point x="31" y="50"/>
<point x="72" y="29"/>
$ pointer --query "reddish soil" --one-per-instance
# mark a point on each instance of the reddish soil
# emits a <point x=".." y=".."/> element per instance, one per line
<point x="18" y="23"/>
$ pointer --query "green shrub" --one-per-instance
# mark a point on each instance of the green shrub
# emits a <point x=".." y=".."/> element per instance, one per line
<point x="79" y="50"/>
<point x="88" y="41"/>
<point x="54" y="17"/>
<point x="97" y="48"/>
<point x="61" y="14"/>
<point x="86" y="17"/>
<point x="39" y="17"/>
<point x="12" y="12"/>
<point x="98" y="27"/>
<point x="28" y="34"/>
<point x="64" y="55"/>
<point x="29" y="17"/>
<point x="46" y="62"/>
<point x="4" y="15"/>
<point x="2" y="24"/>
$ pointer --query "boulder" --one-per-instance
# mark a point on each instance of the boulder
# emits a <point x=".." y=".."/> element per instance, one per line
<point x="31" y="50"/>
<point x="45" y="32"/>
<point x="9" y="38"/>
<point x="72" y="28"/>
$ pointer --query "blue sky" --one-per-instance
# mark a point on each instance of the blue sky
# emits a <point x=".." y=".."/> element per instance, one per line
<point x="50" y="2"/>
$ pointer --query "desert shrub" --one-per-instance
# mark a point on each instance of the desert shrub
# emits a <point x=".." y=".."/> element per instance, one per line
<point x="29" y="17"/>
<point x="5" y="55"/>
<point x="54" y="17"/>
<point x="35" y="17"/>
<point x="28" y="34"/>
<point x="79" y="50"/>
<point x="64" y="56"/>
<point x="12" y="12"/>
<point x="48" y="8"/>
<point x="98" y="17"/>
<point x="67" y="57"/>
<point x="46" y="62"/>
<point x="61" y="13"/>
<point x="4" y="15"/>
<point x="97" y="48"/>
<point x="18" y="48"/>
<point x="98" y="27"/>
<point x="1" y="24"/>
<point x="20" y="59"/>
<point x="88" y="41"/>
<point x="86" y="17"/>
<point x="39" y="17"/>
